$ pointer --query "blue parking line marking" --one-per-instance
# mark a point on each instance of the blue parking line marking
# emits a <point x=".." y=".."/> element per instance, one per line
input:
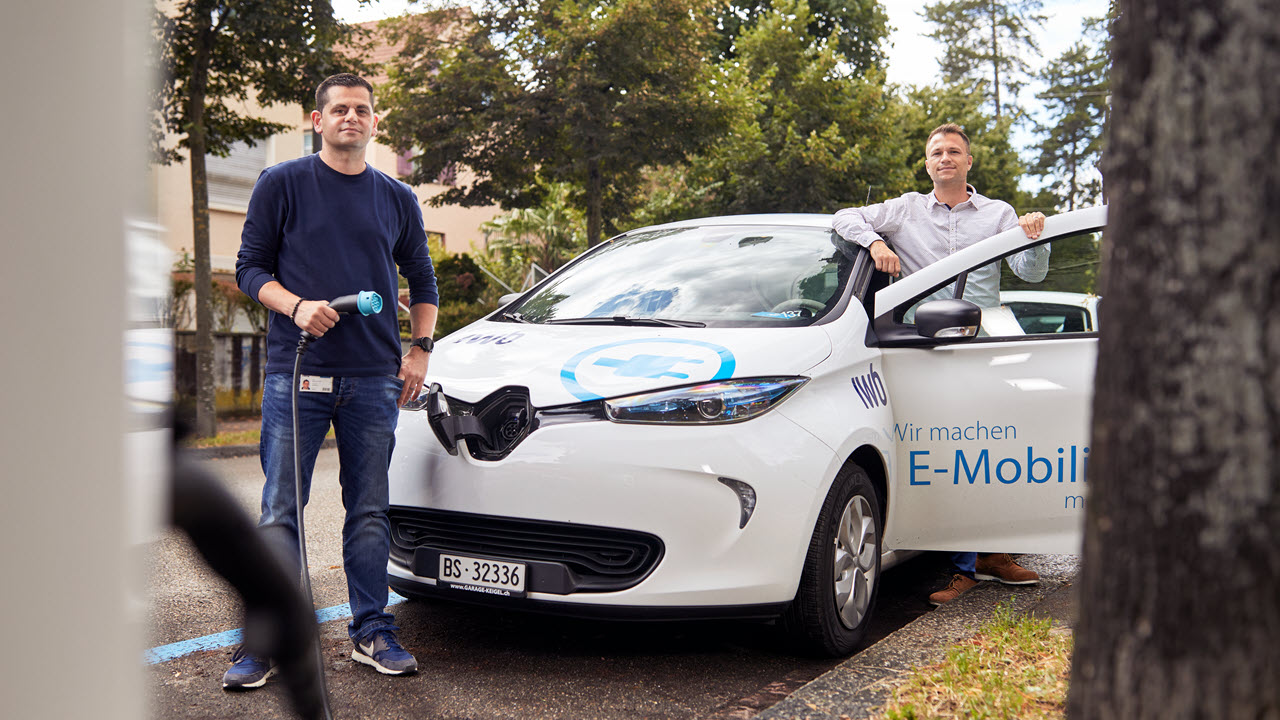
<point x="173" y="651"/>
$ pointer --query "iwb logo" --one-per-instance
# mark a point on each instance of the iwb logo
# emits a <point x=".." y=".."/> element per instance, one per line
<point x="607" y="370"/>
<point x="485" y="339"/>
<point x="870" y="388"/>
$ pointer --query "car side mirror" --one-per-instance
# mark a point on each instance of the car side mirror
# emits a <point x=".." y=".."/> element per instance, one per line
<point x="948" y="319"/>
<point x="509" y="297"/>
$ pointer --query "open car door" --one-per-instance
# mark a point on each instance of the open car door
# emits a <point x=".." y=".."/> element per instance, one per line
<point x="991" y="430"/>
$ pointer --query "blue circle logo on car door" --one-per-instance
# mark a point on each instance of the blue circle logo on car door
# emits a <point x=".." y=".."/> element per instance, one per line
<point x="607" y="370"/>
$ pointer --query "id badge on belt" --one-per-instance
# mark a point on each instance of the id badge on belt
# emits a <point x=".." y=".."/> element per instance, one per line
<point x="315" y="384"/>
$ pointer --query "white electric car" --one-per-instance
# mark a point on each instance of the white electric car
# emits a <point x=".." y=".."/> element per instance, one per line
<point x="737" y="417"/>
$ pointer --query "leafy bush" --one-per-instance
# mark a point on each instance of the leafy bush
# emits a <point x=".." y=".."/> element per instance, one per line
<point x="460" y="279"/>
<point x="455" y="315"/>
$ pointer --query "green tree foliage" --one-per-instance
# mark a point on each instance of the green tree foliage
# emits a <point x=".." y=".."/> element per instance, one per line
<point x="549" y="234"/>
<point x="215" y="55"/>
<point x="579" y="91"/>
<point x="463" y="293"/>
<point x="857" y="27"/>
<point x="670" y="193"/>
<point x="458" y="277"/>
<point x="1076" y="103"/>
<point x="996" y="167"/>
<point x="987" y="38"/>
<point x="1073" y="267"/>
<point x="805" y="135"/>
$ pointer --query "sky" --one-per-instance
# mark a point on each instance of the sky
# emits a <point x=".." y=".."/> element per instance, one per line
<point x="913" y="57"/>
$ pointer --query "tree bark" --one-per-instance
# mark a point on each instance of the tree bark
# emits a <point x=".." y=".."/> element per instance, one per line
<point x="995" y="57"/>
<point x="595" y="202"/>
<point x="206" y="390"/>
<point x="1180" y="585"/>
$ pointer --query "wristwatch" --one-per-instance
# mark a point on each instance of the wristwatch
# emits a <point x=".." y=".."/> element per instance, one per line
<point x="426" y="343"/>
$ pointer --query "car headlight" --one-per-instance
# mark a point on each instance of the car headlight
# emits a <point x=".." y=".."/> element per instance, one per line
<point x="726" y="401"/>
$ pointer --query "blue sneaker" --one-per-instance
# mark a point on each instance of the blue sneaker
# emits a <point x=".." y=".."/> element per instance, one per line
<point x="384" y="654"/>
<point x="247" y="672"/>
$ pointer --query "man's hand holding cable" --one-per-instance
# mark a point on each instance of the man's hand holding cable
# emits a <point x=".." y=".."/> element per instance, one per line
<point x="886" y="260"/>
<point x="413" y="370"/>
<point x="315" y="317"/>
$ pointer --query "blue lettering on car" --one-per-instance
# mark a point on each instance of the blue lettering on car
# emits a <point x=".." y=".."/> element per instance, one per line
<point x="870" y="388"/>
<point x="486" y="339"/>
<point x="978" y="467"/>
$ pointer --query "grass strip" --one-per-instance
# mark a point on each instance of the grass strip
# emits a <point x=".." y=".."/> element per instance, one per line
<point x="239" y="437"/>
<point x="1015" y="667"/>
<point x="222" y="439"/>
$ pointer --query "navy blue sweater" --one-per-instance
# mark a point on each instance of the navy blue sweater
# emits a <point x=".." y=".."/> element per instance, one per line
<point x="323" y="234"/>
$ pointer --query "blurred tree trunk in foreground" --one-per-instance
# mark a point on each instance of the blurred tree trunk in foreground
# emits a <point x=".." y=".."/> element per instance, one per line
<point x="1180" y="589"/>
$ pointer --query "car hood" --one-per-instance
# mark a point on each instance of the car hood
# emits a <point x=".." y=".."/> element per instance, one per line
<point x="563" y="364"/>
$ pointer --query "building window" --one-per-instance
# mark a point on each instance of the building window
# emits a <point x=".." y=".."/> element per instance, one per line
<point x="231" y="178"/>
<point x="404" y="164"/>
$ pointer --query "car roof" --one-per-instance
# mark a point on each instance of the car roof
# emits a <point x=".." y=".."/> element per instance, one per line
<point x="1047" y="296"/>
<point x="796" y="219"/>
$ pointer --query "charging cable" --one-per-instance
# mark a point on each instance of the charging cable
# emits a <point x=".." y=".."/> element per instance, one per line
<point x="365" y="302"/>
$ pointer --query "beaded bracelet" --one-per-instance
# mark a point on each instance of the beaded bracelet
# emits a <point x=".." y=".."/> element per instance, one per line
<point x="293" y="315"/>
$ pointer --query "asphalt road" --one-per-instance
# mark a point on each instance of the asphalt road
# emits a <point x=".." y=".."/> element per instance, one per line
<point x="481" y="663"/>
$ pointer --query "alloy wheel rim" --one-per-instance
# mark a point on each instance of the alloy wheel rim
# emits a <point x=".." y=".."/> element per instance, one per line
<point x="854" y="561"/>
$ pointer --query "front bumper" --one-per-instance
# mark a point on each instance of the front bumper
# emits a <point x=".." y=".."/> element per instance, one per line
<point x="657" y="481"/>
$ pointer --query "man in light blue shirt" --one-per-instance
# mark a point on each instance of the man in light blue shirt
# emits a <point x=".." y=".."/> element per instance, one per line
<point x="924" y="229"/>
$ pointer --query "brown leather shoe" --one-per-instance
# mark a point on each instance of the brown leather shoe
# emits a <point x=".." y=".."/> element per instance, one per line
<point x="1000" y="566"/>
<point x="959" y="586"/>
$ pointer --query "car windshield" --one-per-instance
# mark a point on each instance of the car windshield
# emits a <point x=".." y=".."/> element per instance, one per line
<point x="712" y="276"/>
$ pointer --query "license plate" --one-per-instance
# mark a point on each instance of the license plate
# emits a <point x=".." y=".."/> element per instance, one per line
<point x="483" y="575"/>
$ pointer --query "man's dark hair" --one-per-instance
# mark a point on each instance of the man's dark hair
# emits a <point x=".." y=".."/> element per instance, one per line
<point x="943" y="129"/>
<point x="344" y="80"/>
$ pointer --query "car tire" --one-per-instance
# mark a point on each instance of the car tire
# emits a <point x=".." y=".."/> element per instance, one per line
<point x="841" y="576"/>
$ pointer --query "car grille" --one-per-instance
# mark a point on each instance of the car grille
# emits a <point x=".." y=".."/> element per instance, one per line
<point x="599" y="559"/>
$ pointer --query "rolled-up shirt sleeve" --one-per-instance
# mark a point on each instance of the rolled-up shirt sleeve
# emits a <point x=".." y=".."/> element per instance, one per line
<point x="867" y="224"/>
<point x="260" y="239"/>
<point x="1032" y="264"/>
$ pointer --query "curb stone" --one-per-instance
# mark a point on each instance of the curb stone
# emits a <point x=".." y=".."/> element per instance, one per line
<point x="857" y="688"/>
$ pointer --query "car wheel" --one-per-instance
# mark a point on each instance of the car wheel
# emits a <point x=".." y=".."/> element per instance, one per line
<point x="841" y="576"/>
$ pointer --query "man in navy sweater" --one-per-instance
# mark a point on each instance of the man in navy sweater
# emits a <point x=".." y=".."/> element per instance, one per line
<point x="320" y="227"/>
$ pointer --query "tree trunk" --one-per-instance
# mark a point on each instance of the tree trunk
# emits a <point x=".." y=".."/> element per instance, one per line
<point x="1071" y="169"/>
<point x="995" y="58"/>
<point x="1180" y="586"/>
<point x="595" y="203"/>
<point x="206" y="390"/>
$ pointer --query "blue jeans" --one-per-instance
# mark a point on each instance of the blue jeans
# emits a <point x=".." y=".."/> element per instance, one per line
<point x="964" y="562"/>
<point x="364" y="413"/>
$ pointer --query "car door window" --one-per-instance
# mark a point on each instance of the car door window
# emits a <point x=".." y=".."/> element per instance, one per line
<point x="1065" y="302"/>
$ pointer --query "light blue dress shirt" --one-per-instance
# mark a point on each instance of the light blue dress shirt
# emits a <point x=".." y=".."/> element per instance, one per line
<point x="922" y="231"/>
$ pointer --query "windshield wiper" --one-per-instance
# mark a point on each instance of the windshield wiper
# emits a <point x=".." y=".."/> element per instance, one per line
<point x="623" y="320"/>
<point x="515" y="317"/>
